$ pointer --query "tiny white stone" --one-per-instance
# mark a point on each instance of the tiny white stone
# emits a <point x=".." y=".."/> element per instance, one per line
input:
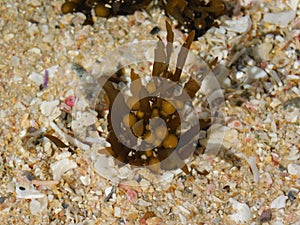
<point x="85" y="180"/>
<point x="279" y="202"/>
<point x="15" y="61"/>
<point x="37" y="78"/>
<point x="294" y="169"/>
<point x="35" y="207"/>
<point x="35" y="50"/>
<point x="117" y="212"/>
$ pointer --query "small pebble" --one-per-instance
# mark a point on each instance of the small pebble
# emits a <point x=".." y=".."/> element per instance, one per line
<point x="265" y="216"/>
<point x="2" y="200"/>
<point x="294" y="102"/>
<point x="155" y="30"/>
<point x="291" y="196"/>
<point x="15" y="61"/>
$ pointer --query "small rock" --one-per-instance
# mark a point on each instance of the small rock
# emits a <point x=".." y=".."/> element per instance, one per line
<point x="279" y="202"/>
<point x="291" y="196"/>
<point x="265" y="216"/>
<point x="15" y="61"/>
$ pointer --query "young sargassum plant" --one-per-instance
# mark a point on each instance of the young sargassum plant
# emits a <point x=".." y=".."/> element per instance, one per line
<point x="147" y="126"/>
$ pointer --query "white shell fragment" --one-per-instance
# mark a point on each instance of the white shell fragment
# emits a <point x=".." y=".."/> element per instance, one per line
<point x="252" y="162"/>
<point x="28" y="192"/>
<point x="294" y="169"/>
<point x="69" y="138"/>
<point x="37" y="78"/>
<point x="293" y="4"/>
<point x="279" y="202"/>
<point x="47" y="107"/>
<point x="83" y="119"/>
<point x="241" y="25"/>
<point x="281" y="19"/>
<point x="257" y="73"/>
<point x="35" y="207"/>
<point x="278" y="223"/>
<point x="60" y="167"/>
<point x="293" y="154"/>
<point x="104" y="166"/>
<point x="85" y="180"/>
<point x="243" y="213"/>
<point x="261" y="52"/>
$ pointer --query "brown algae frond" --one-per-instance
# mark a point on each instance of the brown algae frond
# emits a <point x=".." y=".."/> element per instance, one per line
<point x="149" y="120"/>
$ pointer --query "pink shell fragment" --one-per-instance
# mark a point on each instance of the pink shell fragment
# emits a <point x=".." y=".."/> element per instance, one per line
<point x="70" y="100"/>
<point x="131" y="195"/>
